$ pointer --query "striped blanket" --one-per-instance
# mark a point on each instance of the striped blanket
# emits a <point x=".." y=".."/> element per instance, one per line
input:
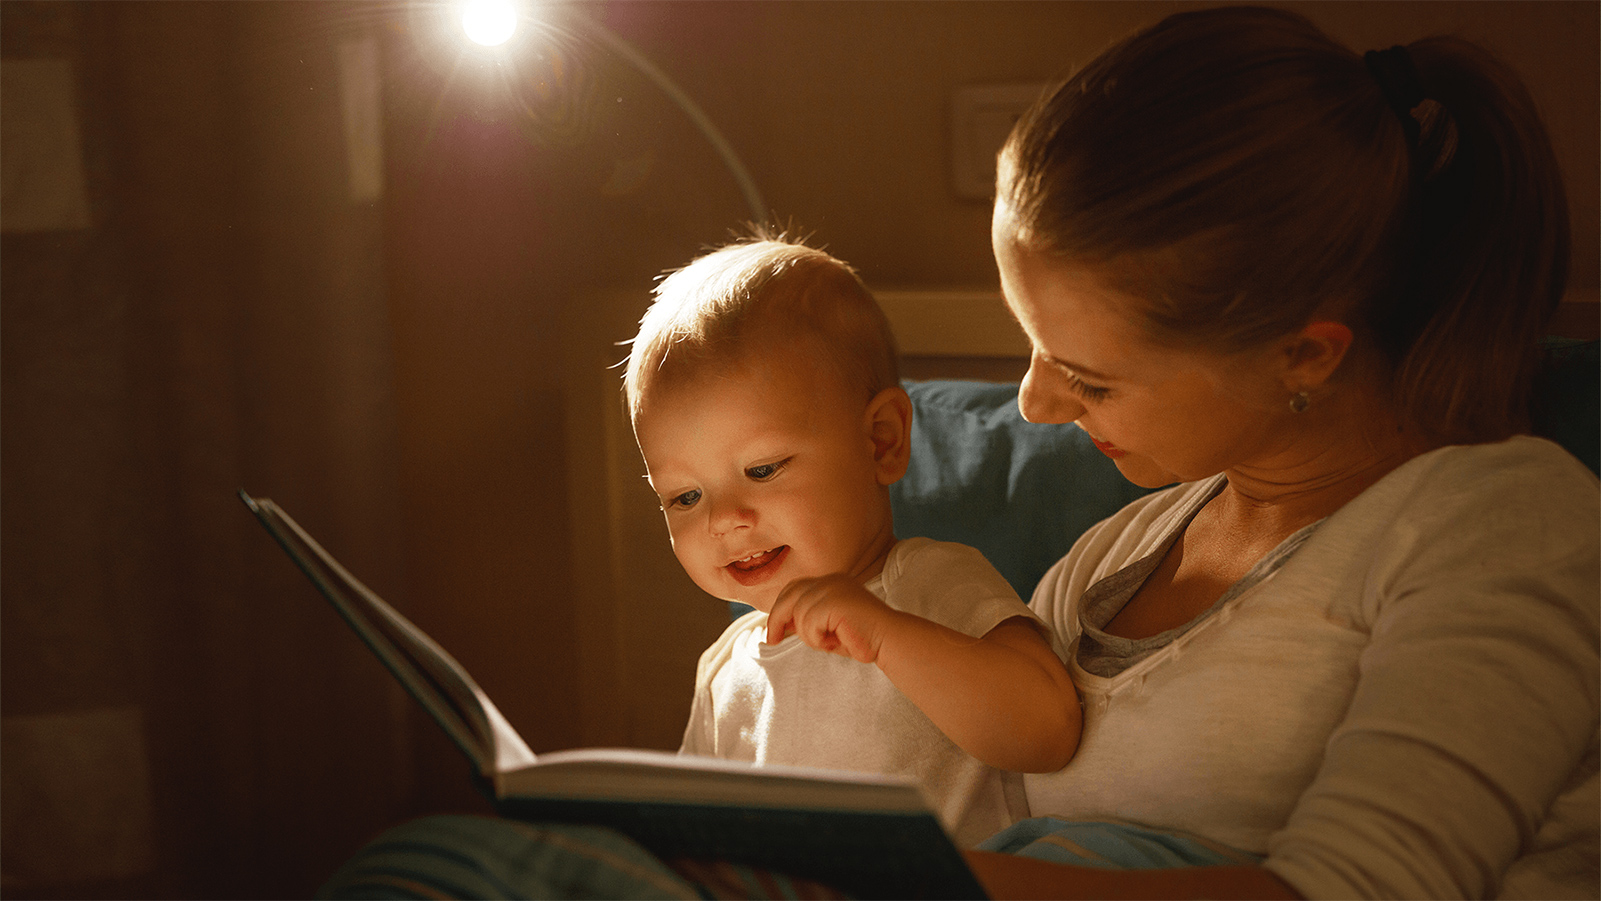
<point x="484" y="857"/>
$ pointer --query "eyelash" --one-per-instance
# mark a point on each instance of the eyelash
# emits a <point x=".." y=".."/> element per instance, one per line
<point x="1087" y="391"/>
<point x="689" y="498"/>
<point x="775" y="468"/>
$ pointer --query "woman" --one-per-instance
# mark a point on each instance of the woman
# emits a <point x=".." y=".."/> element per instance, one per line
<point x="1358" y="641"/>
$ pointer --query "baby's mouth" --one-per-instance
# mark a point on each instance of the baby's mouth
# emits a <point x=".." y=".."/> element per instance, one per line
<point x="759" y="567"/>
<point x="758" y="560"/>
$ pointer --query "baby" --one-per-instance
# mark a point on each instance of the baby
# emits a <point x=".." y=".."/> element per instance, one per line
<point x="764" y="394"/>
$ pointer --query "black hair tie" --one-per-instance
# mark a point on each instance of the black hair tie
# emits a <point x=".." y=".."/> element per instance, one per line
<point x="1398" y="81"/>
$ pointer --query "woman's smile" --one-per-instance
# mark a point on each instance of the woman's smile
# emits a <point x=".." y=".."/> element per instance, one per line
<point x="1107" y="448"/>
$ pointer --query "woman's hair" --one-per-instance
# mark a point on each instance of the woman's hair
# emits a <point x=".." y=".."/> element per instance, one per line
<point x="752" y="297"/>
<point x="1240" y="173"/>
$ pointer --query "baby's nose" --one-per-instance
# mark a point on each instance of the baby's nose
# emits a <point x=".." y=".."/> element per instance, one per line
<point x="729" y="516"/>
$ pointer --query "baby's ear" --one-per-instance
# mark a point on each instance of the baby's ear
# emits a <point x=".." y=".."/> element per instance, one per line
<point x="889" y="425"/>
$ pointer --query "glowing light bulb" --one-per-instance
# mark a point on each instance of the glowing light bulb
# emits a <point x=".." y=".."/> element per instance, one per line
<point x="489" y="22"/>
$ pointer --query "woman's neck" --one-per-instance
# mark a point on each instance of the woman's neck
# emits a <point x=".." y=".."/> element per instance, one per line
<point x="1331" y="454"/>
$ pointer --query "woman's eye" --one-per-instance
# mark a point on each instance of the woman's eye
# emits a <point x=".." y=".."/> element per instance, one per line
<point x="765" y="471"/>
<point x="1087" y="391"/>
<point x="687" y="499"/>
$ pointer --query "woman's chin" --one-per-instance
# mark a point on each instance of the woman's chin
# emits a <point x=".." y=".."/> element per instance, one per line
<point x="1144" y="473"/>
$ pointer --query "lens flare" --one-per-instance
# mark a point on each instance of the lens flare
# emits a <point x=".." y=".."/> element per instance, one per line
<point x="489" y="22"/>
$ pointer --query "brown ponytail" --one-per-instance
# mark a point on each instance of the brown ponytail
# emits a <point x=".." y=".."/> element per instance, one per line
<point x="1490" y="260"/>
<point x="1239" y="172"/>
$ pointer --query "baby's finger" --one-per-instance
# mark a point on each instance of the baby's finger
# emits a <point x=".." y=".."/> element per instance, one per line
<point x="817" y="627"/>
<point x="806" y="628"/>
<point x="779" y="621"/>
<point x="777" y="629"/>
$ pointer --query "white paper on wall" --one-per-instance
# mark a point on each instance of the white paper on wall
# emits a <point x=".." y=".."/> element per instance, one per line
<point x="42" y="186"/>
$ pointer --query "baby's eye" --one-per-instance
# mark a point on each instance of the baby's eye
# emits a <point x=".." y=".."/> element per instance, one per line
<point x="765" y="471"/>
<point x="687" y="499"/>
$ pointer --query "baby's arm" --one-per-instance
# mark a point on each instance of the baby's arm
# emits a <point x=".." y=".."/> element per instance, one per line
<point x="1004" y="698"/>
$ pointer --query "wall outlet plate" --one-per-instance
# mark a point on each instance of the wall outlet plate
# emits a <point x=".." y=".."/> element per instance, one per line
<point x="981" y="118"/>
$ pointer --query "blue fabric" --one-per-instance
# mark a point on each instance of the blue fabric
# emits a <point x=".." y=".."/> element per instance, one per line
<point x="1112" y="846"/>
<point x="484" y="857"/>
<point x="981" y="475"/>
<point x="452" y="856"/>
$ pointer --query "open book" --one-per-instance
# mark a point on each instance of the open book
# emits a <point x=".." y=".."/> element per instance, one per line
<point x="867" y="835"/>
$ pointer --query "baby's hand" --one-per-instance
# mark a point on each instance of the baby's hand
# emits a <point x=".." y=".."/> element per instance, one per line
<point x="831" y="613"/>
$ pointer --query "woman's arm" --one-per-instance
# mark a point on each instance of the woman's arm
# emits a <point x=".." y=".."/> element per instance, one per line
<point x="1008" y="876"/>
<point x="1004" y="698"/>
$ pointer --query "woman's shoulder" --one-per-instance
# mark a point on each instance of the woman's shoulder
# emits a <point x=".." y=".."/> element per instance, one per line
<point x="1493" y="518"/>
<point x="1523" y="491"/>
<point x="1522" y="473"/>
<point x="1528" y="456"/>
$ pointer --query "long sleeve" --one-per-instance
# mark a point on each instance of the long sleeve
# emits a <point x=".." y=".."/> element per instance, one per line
<point x="1476" y="701"/>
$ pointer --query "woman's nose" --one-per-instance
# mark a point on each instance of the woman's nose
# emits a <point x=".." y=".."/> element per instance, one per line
<point x="1045" y="396"/>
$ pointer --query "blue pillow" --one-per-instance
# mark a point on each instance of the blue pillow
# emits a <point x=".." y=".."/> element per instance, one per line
<point x="980" y="474"/>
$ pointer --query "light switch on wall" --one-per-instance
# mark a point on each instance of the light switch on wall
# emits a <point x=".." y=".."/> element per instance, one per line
<point x="981" y="118"/>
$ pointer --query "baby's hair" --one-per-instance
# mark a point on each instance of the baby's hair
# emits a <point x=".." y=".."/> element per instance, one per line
<point x="723" y="305"/>
<point x="1238" y="172"/>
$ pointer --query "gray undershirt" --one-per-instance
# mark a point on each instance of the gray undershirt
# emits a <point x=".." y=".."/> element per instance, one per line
<point x="1107" y="655"/>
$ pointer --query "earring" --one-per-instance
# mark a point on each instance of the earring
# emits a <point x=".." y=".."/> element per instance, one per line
<point x="1299" y="402"/>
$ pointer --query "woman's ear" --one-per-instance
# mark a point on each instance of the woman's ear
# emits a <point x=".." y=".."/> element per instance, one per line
<point x="1312" y="355"/>
<point x="889" y="425"/>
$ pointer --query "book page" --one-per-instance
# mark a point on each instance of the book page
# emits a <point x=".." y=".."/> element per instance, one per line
<point x="628" y="774"/>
